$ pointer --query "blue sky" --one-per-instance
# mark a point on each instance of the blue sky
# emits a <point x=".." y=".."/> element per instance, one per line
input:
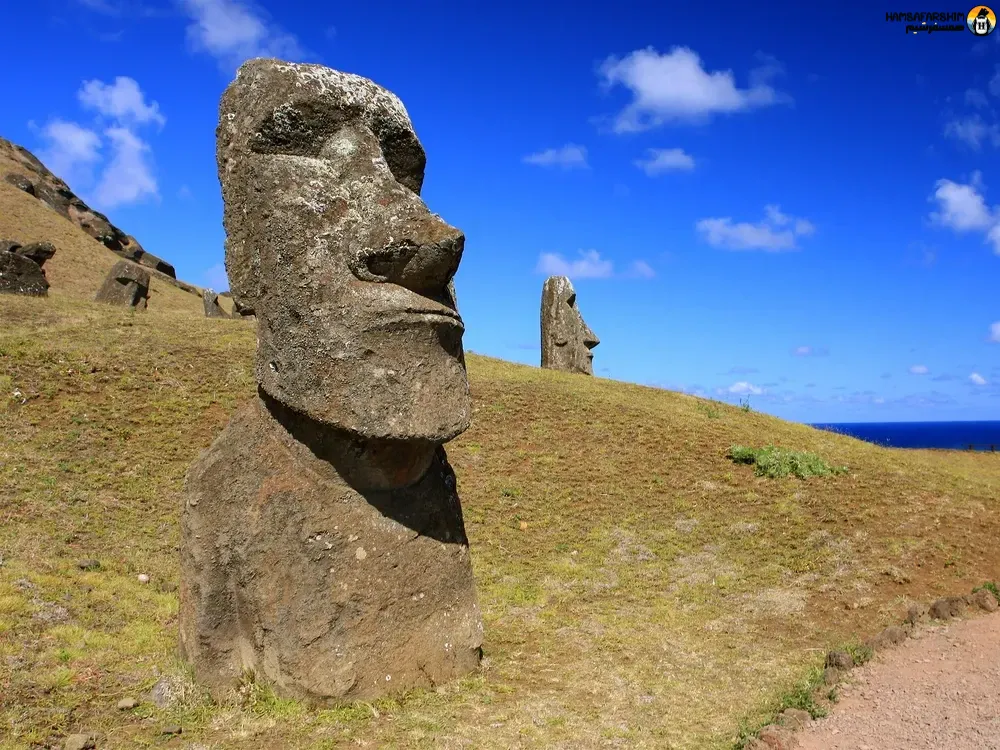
<point x="803" y="210"/>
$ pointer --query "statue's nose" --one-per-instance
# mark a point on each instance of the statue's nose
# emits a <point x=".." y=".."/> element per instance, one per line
<point x="423" y="256"/>
<point x="590" y="340"/>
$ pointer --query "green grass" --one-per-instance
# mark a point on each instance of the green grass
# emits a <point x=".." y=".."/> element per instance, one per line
<point x="777" y="463"/>
<point x="637" y="588"/>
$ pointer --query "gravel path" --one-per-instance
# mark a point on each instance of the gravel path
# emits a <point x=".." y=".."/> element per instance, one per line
<point x="940" y="690"/>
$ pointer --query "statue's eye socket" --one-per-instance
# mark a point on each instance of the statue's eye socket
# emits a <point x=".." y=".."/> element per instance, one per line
<point x="571" y="300"/>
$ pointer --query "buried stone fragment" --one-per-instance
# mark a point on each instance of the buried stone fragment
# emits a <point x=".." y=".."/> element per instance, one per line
<point x="126" y="285"/>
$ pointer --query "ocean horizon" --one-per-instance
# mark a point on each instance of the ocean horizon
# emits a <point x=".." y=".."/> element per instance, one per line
<point x="979" y="436"/>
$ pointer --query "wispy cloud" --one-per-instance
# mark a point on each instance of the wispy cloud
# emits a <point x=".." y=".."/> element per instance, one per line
<point x="742" y="371"/>
<point x="69" y="149"/>
<point x="122" y="101"/>
<point x="963" y="208"/>
<point x="977" y="379"/>
<point x="743" y="388"/>
<point x="216" y="277"/>
<point x="775" y="233"/>
<point x="661" y="160"/>
<point x="590" y="265"/>
<point x="810" y="351"/>
<point x="973" y="131"/>
<point x="674" y="86"/>
<point x="233" y="31"/>
<point x="570" y="156"/>
<point x="995" y="332"/>
<point x="919" y="369"/>
<point x="73" y="151"/>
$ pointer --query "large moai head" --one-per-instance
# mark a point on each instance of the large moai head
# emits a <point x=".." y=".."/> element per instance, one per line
<point x="328" y="242"/>
<point x="566" y="340"/>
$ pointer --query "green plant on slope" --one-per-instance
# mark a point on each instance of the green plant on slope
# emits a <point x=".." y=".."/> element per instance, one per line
<point x="775" y="463"/>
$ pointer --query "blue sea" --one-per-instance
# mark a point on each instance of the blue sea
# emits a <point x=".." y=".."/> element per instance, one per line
<point x="981" y="436"/>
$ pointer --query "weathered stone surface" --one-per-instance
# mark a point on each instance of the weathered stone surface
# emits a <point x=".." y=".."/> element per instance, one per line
<point x="20" y="182"/>
<point x="126" y="285"/>
<point x="38" y="181"/>
<point x="20" y="274"/>
<point x="323" y="545"/>
<point x="211" y="302"/>
<point x="566" y="340"/>
<point x="39" y="252"/>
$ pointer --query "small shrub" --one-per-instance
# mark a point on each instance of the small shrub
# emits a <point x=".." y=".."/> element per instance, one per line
<point x="745" y="404"/>
<point x="776" y="463"/>
<point x="988" y="586"/>
<point x="859" y="652"/>
<point x="709" y="410"/>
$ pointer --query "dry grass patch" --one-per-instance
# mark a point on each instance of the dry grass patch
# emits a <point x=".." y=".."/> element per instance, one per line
<point x="639" y="589"/>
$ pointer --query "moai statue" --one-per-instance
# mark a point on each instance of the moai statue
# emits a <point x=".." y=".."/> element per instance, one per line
<point x="211" y="302"/>
<point x="21" y="269"/>
<point x="566" y="340"/>
<point x="126" y="285"/>
<point x="323" y="546"/>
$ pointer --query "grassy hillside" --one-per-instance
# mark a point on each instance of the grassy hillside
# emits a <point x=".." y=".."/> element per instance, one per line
<point x="639" y="589"/>
<point x="80" y="264"/>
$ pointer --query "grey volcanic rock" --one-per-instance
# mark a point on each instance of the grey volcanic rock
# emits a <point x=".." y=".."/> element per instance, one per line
<point x="566" y="340"/>
<point x="126" y="284"/>
<point x="37" y="251"/>
<point x="323" y="544"/>
<point x="211" y="302"/>
<point x="38" y="181"/>
<point x="21" y="275"/>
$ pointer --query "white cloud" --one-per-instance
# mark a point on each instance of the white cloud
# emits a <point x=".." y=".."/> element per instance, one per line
<point x="977" y="379"/>
<point x="810" y="351"/>
<point x="569" y="156"/>
<point x="743" y="388"/>
<point x="69" y="146"/>
<point x="128" y="177"/>
<point x="184" y="192"/>
<point x="919" y="369"/>
<point x="674" y="86"/>
<point x="233" y="31"/>
<point x="640" y="269"/>
<point x="775" y="233"/>
<point x="588" y="266"/>
<point x="122" y="101"/>
<point x="660" y="160"/>
<point x="995" y="332"/>
<point x="973" y="131"/>
<point x="216" y="277"/>
<point x="976" y="98"/>
<point x="963" y="208"/>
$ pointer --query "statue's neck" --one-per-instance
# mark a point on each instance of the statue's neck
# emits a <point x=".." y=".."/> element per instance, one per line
<point x="364" y="464"/>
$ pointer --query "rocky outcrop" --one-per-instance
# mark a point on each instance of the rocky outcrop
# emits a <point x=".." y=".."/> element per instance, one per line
<point x="567" y="340"/>
<point x="211" y="303"/>
<point x="323" y="545"/>
<point x="126" y="285"/>
<point x="36" y="180"/>
<point x="21" y="267"/>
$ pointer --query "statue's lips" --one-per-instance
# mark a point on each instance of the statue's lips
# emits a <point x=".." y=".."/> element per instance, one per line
<point x="393" y="306"/>
<point x="418" y="318"/>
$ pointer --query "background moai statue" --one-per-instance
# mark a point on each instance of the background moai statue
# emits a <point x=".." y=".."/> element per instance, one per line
<point x="21" y="267"/>
<point x="126" y="284"/>
<point x="566" y="340"/>
<point x="211" y="302"/>
<point x="323" y="545"/>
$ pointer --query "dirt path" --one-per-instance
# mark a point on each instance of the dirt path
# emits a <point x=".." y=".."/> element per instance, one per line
<point x="940" y="690"/>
